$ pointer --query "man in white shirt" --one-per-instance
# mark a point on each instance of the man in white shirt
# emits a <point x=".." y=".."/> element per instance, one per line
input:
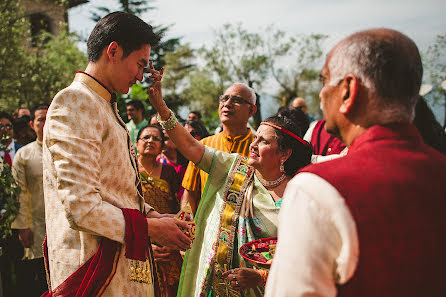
<point x="370" y="223"/>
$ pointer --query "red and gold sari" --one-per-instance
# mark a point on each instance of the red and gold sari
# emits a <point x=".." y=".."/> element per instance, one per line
<point x="161" y="194"/>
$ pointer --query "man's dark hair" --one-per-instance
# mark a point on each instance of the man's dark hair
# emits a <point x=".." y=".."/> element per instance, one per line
<point x="197" y="113"/>
<point x="136" y="104"/>
<point x="127" y="30"/>
<point x="5" y="115"/>
<point x="428" y="126"/>
<point x="199" y="128"/>
<point x="36" y="108"/>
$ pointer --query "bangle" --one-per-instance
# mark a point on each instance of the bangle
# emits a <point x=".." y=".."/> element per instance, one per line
<point x="170" y="123"/>
<point x="264" y="274"/>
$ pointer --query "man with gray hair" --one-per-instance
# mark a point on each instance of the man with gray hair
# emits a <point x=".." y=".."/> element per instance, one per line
<point x="236" y="106"/>
<point x="370" y="223"/>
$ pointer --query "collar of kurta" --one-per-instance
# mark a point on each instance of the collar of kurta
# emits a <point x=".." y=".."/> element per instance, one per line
<point x="95" y="85"/>
<point x="238" y="137"/>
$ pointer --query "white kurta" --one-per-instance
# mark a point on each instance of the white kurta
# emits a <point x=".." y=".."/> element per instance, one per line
<point x="27" y="172"/>
<point x="89" y="174"/>
<point x="318" y="244"/>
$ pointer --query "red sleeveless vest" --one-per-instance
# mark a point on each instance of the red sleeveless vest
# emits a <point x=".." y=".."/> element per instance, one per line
<point x="323" y="142"/>
<point x="395" y="187"/>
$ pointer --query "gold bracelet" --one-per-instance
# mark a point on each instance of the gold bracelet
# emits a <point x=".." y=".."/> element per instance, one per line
<point x="264" y="273"/>
<point x="170" y="123"/>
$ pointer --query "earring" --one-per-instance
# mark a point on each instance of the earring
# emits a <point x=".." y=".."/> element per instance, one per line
<point x="282" y="169"/>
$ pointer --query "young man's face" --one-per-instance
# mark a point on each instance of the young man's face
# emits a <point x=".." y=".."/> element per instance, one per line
<point x="39" y="122"/>
<point x="129" y="70"/>
<point x="133" y="113"/>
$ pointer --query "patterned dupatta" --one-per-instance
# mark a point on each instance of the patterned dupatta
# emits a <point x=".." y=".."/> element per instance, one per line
<point x="239" y="179"/>
<point x="235" y="208"/>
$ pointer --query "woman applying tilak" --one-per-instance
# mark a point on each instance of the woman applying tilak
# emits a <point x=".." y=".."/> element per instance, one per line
<point x="241" y="199"/>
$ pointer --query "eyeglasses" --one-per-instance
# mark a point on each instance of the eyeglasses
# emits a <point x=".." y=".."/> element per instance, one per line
<point x="154" y="138"/>
<point x="7" y="126"/>
<point x="234" y="100"/>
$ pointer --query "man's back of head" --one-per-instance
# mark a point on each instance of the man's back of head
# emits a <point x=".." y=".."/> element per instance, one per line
<point x="300" y="103"/>
<point x="387" y="63"/>
<point x="370" y="78"/>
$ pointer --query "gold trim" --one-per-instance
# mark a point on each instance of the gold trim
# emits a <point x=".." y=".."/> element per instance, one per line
<point x="94" y="85"/>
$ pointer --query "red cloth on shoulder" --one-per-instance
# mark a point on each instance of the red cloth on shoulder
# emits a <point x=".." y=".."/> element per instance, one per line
<point x="93" y="277"/>
<point x="136" y="235"/>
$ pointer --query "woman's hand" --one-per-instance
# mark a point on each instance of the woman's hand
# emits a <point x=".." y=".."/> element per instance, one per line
<point x="155" y="94"/>
<point x="161" y="254"/>
<point x="243" y="278"/>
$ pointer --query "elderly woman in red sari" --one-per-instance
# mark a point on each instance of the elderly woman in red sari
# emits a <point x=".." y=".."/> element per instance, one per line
<point x="160" y="184"/>
<point x="241" y="199"/>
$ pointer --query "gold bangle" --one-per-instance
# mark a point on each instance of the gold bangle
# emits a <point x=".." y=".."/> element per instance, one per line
<point x="170" y="123"/>
<point x="264" y="274"/>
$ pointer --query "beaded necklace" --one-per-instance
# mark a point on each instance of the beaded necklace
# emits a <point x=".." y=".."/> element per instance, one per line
<point x="272" y="183"/>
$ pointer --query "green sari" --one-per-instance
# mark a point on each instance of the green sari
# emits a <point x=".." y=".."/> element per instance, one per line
<point x="252" y="214"/>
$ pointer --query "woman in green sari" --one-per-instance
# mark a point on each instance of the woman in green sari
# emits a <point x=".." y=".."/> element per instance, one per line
<point x="241" y="199"/>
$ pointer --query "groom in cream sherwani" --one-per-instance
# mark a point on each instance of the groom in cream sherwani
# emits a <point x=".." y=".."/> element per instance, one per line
<point x="98" y="226"/>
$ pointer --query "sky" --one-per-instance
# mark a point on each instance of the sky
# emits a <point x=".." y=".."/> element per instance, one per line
<point x="196" y="20"/>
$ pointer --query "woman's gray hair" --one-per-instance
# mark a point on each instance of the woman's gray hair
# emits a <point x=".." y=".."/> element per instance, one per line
<point x="388" y="65"/>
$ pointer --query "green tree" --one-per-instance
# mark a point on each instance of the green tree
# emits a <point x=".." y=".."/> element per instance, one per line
<point x="12" y="52"/>
<point x="51" y="67"/>
<point x="32" y="75"/>
<point x="434" y="62"/>
<point x="300" y="77"/>
<point x="202" y="94"/>
<point x="136" y="7"/>
<point x="238" y="55"/>
<point x="179" y="64"/>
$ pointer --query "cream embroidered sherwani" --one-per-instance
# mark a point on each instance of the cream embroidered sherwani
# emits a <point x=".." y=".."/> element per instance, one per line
<point x="89" y="174"/>
<point x="27" y="172"/>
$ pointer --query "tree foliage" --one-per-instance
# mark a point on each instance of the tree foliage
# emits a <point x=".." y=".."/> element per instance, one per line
<point x="12" y="44"/>
<point x="136" y="7"/>
<point x="202" y="94"/>
<point x="434" y="63"/>
<point x="32" y="75"/>
<point x="9" y="192"/>
<point x="300" y="77"/>
<point x="237" y="55"/>
<point x="254" y="58"/>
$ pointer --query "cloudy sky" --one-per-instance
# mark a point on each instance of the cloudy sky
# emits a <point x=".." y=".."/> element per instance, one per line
<point x="196" y="20"/>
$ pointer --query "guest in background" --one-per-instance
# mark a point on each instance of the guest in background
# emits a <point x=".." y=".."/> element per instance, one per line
<point x="23" y="131"/>
<point x="160" y="184"/>
<point x="430" y="129"/>
<point x="135" y="114"/>
<point x="28" y="173"/>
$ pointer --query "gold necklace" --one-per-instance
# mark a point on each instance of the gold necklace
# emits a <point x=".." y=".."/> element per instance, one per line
<point x="149" y="174"/>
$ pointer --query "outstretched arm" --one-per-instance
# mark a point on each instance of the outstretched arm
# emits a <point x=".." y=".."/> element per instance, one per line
<point x="190" y="148"/>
